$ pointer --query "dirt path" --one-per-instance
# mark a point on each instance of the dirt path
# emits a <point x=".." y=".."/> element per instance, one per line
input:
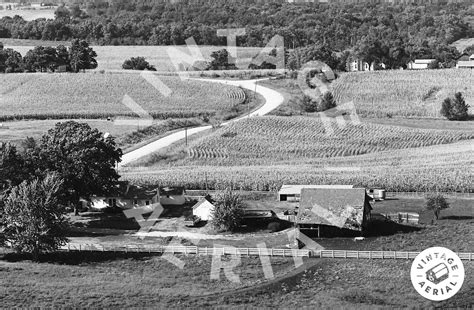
<point x="272" y="100"/>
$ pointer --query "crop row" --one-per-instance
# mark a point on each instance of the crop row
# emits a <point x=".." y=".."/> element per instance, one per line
<point x="97" y="95"/>
<point x="402" y="93"/>
<point x="281" y="139"/>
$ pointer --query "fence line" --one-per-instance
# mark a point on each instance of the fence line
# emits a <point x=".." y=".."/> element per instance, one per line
<point x="250" y="251"/>
<point x="424" y="194"/>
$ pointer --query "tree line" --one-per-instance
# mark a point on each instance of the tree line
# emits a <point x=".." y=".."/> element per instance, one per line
<point x="79" y="56"/>
<point x="339" y="26"/>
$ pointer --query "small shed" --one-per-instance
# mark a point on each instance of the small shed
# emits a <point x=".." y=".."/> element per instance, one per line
<point x="203" y="209"/>
<point x="420" y="64"/>
<point x="292" y="192"/>
<point x="341" y="208"/>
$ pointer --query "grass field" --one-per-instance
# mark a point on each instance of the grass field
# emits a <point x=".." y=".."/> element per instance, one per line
<point x="94" y="95"/>
<point x="28" y="13"/>
<point x="162" y="57"/>
<point x="403" y="93"/>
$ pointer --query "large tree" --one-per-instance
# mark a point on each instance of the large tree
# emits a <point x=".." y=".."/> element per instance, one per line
<point x="11" y="167"/>
<point x="31" y="218"/>
<point x="436" y="203"/>
<point x="82" y="156"/>
<point x="82" y="56"/>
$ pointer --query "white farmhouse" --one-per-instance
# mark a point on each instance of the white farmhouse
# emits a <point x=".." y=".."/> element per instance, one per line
<point x="420" y="64"/>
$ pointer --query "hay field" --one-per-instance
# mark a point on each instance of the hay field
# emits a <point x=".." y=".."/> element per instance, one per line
<point x="407" y="93"/>
<point x="94" y="95"/>
<point x="28" y="13"/>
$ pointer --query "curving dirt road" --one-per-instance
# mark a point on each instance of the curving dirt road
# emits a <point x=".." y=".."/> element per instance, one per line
<point x="272" y="100"/>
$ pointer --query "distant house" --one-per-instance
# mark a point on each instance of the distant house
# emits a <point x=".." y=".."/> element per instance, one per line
<point x="420" y="64"/>
<point x="293" y="192"/>
<point x="340" y="208"/>
<point x="466" y="63"/>
<point x="172" y="196"/>
<point x="124" y="196"/>
<point x="359" y="65"/>
<point x="203" y="209"/>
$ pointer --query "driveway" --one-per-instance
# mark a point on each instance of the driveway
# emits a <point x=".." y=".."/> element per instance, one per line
<point x="272" y="100"/>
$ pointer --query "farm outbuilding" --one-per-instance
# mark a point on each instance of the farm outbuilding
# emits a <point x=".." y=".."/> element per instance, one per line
<point x="466" y="63"/>
<point x="420" y="64"/>
<point x="340" y="208"/>
<point x="203" y="209"/>
<point x="172" y="196"/>
<point x="292" y="192"/>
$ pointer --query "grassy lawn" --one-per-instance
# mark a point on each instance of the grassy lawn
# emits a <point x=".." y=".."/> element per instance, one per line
<point x="151" y="281"/>
<point x="119" y="281"/>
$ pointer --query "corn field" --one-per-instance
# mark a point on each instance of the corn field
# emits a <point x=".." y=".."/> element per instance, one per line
<point x="95" y="95"/>
<point x="275" y="139"/>
<point x="446" y="168"/>
<point x="403" y="93"/>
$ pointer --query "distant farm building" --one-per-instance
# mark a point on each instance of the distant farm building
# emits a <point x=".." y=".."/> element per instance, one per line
<point x="172" y="196"/>
<point x="359" y="65"/>
<point x="469" y="63"/>
<point x="420" y="64"/>
<point x="333" y="209"/>
<point x="293" y="192"/>
<point x="203" y="209"/>
<point x="376" y="194"/>
<point x="123" y="196"/>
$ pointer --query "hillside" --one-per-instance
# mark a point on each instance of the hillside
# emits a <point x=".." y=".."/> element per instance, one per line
<point x="403" y="93"/>
<point x="262" y="153"/>
<point x="89" y="95"/>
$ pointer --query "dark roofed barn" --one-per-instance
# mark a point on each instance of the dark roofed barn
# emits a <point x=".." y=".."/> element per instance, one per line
<point x="346" y="209"/>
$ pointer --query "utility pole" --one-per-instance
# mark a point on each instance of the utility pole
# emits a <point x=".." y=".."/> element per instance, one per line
<point x="186" y="135"/>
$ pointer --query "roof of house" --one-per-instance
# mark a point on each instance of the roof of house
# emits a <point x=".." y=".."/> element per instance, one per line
<point x="341" y="207"/>
<point x="172" y="191"/>
<point x="292" y="189"/>
<point x="424" y="61"/>
<point x="127" y="191"/>
<point x="203" y="203"/>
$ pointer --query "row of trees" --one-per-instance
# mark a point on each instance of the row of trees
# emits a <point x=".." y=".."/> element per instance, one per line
<point x="340" y="27"/>
<point x="72" y="160"/>
<point x="79" y="56"/>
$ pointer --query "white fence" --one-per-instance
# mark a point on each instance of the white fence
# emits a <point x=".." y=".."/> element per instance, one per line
<point x="378" y="254"/>
<point x="424" y="194"/>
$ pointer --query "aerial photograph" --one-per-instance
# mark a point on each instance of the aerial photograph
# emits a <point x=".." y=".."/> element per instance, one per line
<point x="174" y="154"/>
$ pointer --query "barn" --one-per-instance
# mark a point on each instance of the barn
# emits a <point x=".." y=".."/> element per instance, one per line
<point x="203" y="209"/>
<point x="292" y="192"/>
<point x="172" y="196"/>
<point x="333" y="210"/>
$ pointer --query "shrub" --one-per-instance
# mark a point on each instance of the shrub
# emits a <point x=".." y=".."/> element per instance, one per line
<point x="436" y="203"/>
<point x="327" y="102"/>
<point x="455" y="109"/>
<point x="273" y="226"/>
<point x="137" y="63"/>
<point x="228" y="212"/>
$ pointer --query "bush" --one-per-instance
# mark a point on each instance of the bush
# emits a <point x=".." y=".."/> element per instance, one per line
<point x="228" y="212"/>
<point x="274" y="226"/>
<point x="137" y="63"/>
<point x="455" y="109"/>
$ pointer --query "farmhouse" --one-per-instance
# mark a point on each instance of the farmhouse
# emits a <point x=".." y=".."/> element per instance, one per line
<point x="359" y="65"/>
<point x="172" y="196"/>
<point x="203" y="209"/>
<point x="124" y="196"/>
<point x="332" y="209"/>
<point x="420" y="64"/>
<point x="468" y="63"/>
<point x="293" y="192"/>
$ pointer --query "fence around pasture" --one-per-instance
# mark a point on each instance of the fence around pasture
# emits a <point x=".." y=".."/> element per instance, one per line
<point x="424" y="194"/>
<point x="194" y="250"/>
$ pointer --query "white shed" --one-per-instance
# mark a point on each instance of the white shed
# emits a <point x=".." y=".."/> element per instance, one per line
<point x="204" y="209"/>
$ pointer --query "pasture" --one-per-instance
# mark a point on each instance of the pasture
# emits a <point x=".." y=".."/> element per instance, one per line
<point x="95" y="95"/>
<point x="162" y="57"/>
<point x="406" y="93"/>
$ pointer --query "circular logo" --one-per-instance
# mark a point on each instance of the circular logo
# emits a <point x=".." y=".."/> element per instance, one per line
<point x="437" y="273"/>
